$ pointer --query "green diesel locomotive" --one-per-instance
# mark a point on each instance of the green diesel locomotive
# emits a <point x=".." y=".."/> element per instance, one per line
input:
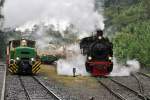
<point x="22" y="57"/>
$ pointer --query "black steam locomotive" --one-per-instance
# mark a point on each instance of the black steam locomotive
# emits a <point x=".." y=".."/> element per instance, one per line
<point x="99" y="54"/>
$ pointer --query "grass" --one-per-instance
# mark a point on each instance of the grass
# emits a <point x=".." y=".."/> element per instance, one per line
<point x="50" y="72"/>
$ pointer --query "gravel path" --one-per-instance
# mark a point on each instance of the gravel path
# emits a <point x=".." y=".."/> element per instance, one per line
<point x="14" y="89"/>
<point x="35" y="90"/>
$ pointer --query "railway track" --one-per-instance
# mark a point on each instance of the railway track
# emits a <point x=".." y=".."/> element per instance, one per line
<point x="34" y="89"/>
<point x="145" y="80"/>
<point x="123" y="92"/>
<point x="118" y="95"/>
<point x="141" y="73"/>
<point x="25" y="90"/>
<point x="141" y="88"/>
<point x="46" y="88"/>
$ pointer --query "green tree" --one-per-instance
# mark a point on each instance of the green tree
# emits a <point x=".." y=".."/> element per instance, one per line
<point x="132" y="30"/>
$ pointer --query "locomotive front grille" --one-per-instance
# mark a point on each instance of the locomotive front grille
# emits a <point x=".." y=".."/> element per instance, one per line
<point x="25" y="59"/>
<point x="23" y="52"/>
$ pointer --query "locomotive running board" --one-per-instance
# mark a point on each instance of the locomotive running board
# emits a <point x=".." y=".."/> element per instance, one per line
<point x="12" y="68"/>
<point x="36" y="67"/>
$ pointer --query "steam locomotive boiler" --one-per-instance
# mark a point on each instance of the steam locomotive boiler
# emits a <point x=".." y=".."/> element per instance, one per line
<point x="99" y="54"/>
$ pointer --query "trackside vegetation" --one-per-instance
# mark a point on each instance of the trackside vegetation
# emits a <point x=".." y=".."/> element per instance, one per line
<point x="130" y="22"/>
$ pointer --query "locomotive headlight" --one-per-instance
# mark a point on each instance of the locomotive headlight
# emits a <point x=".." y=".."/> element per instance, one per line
<point x="32" y="59"/>
<point x="110" y="58"/>
<point x="99" y="37"/>
<point x="89" y="58"/>
<point x="17" y="58"/>
<point x="11" y="61"/>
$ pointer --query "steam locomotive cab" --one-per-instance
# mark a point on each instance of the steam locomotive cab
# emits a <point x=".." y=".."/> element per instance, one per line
<point x="99" y="55"/>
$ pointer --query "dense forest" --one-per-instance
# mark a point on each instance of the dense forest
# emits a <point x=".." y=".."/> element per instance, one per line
<point x="129" y="23"/>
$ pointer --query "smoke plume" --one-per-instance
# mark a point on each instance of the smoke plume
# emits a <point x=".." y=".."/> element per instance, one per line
<point x="74" y="59"/>
<point x="132" y="66"/>
<point x="80" y="13"/>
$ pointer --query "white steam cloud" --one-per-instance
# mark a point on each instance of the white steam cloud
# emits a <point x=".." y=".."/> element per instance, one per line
<point x="74" y="59"/>
<point x="132" y="66"/>
<point x="80" y="13"/>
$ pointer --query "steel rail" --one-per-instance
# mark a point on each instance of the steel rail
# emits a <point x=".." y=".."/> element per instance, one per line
<point x="141" y="96"/>
<point x="139" y="83"/>
<point x="148" y="76"/>
<point x="118" y="95"/>
<point x="141" y="88"/>
<point x="23" y="86"/>
<point x="144" y="74"/>
<point x="46" y="88"/>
